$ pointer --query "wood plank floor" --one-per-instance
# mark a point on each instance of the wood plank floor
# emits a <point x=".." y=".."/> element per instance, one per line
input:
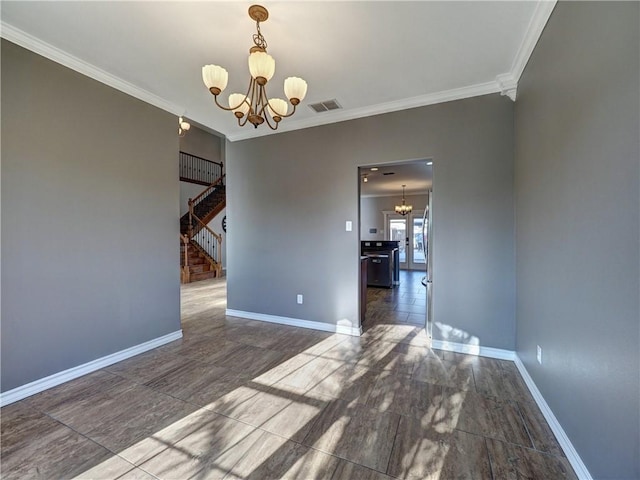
<point x="243" y="399"/>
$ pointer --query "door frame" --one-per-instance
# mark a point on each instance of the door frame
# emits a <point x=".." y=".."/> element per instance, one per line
<point x="429" y="317"/>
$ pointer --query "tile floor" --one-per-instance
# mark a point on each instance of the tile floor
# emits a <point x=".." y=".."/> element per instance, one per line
<point x="242" y="399"/>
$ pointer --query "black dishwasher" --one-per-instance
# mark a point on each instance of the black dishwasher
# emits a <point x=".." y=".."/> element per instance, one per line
<point x="386" y="271"/>
<point x="379" y="270"/>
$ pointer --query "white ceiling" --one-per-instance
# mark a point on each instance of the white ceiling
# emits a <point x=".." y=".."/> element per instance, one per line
<point x="372" y="57"/>
<point x="387" y="180"/>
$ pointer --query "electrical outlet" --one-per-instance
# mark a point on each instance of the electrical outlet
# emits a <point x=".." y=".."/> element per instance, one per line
<point x="299" y="299"/>
<point x="539" y="354"/>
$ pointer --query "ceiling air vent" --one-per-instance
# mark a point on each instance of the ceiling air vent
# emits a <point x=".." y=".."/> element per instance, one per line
<point x="325" y="106"/>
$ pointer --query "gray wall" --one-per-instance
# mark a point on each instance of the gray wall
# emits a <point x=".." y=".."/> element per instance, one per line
<point x="188" y="190"/>
<point x="202" y="144"/>
<point x="372" y="213"/>
<point x="577" y="176"/>
<point x="89" y="219"/>
<point x="290" y="195"/>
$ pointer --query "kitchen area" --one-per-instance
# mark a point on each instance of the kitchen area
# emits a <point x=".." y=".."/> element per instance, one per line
<point x="395" y="240"/>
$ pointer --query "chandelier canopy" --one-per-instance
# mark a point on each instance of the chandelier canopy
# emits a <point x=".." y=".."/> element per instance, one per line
<point x="254" y="105"/>
<point x="404" y="208"/>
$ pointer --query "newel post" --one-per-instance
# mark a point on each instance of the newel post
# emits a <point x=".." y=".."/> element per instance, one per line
<point x="190" y="218"/>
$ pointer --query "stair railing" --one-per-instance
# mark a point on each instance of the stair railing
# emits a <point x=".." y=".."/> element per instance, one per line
<point x="199" y="170"/>
<point x="194" y="202"/>
<point x="202" y="210"/>
<point x="209" y="242"/>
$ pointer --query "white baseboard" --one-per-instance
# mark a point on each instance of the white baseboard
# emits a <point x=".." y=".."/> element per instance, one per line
<point x="59" y="378"/>
<point x="474" y="350"/>
<point x="572" y="455"/>
<point x="346" y="329"/>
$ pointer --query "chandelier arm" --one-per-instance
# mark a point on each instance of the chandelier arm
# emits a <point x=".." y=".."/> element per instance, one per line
<point x="288" y="114"/>
<point x="266" y="102"/>
<point x="263" y="101"/>
<point x="241" y="123"/>
<point x="252" y="82"/>
<point x="255" y="98"/>
<point x="228" y="109"/>
<point x="266" y="120"/>
<point x="246" y="95"/>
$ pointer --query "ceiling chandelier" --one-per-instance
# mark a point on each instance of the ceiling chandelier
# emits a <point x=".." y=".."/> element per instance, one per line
<point x="254" y="105"/>
<point x="404" y="208"/>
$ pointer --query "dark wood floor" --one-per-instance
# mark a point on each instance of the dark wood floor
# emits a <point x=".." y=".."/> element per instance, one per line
<point x="243" y="399"/>
<point x="405" y="304"/>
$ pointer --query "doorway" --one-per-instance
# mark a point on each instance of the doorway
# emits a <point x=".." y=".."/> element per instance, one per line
<point x="381" y="191"/>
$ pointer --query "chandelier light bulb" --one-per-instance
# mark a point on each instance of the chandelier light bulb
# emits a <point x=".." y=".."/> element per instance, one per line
<point x="239" y="103"/>
<point x="262" y="65"/>
<point x="183" y="126"/>
<point x="277" y="107"/>
<point x="215" y="78"/>
<point x="295" y="89"/>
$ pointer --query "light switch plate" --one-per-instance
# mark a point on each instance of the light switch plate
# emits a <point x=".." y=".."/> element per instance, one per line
<point x="539" y="354"/>
<point x="349" y="226"/>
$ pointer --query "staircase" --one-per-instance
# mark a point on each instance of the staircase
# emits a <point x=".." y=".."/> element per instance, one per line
<point x="200" y="247"/>
<point x="197" y="264"/>
<point x="206" y="205"/>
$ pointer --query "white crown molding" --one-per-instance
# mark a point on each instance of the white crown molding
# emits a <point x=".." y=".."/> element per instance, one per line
<point x="505" y="84"/>
<point x="539" y="20"/>
<point x="59" y="378"/>
<point x="326" y="118"/>
<point x="508" y="82"/>
<point x="508" y="85"/>
<point x="346" y="329"/>
<point x="567" y="447"/>
<point x="40" y="47"/>
<point x="399" y="195"/>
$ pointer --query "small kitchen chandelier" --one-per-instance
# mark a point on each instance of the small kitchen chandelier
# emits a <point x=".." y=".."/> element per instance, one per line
<point x="404" y="208"/>
<point x="254" y="105"/>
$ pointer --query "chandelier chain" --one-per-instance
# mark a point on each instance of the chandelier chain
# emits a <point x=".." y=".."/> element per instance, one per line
<point x="258" y="38"/>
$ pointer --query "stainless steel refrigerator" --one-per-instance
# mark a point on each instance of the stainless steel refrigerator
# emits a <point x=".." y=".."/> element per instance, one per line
<point x="427" y="245"/>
